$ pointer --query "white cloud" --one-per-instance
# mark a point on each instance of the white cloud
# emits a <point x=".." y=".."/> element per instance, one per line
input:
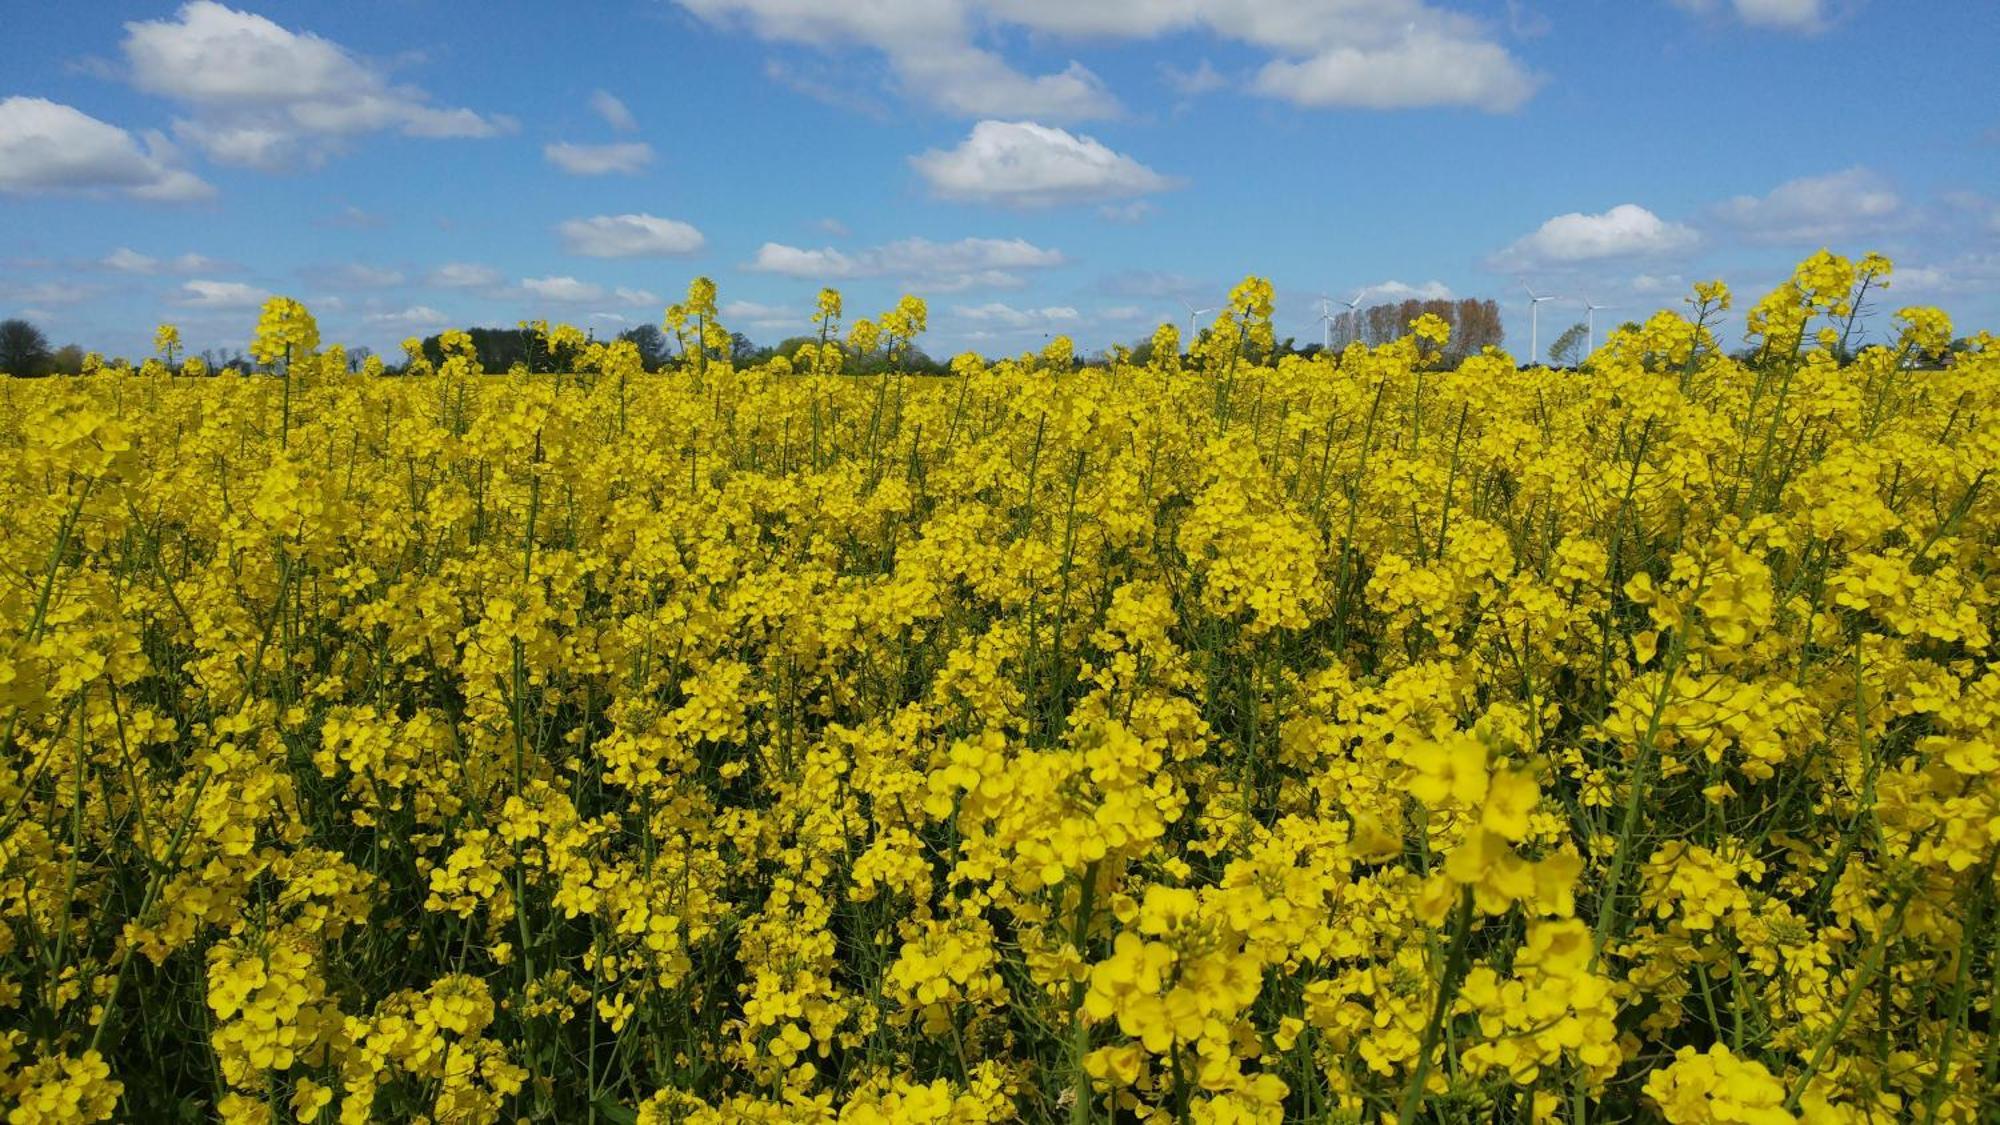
<point x="464" y="275"/>
<point x="350" y="217"/>
<point x="1203" y="79"/>
<point x="568" y="290"/>
<point x="629" y="236"/>
<point x="939" y="267"/>
<point x="45" y="293"/>
<point x="1367" y="53"/>
<point x="1132" y="211"/>
<point x="1972" y="274"/>
<point x="1007" y="316"/>
<point x="126" y="260"/>
<point x="834" y="227"/>
<point x="1396" y="291"/>
<point x="599" y="160"/>
<point x="264" y="96"/>
<point x="1022" y="164"/>
<point x="219" y="295"/>
<point x="46" y="146"/>
<point x="1777" y="15"/>
<point x="565" y="289"/>
<point x="416" y="316"/>
<point x="930" y="50"/>
<point x="1984" y="212"/>
<point x="1626" y="231"/>
<point x="1155" y="284"/>
<point x="1425" y="68"/>
<point x="1124" y="314"/>
<point x="755" y="314"/>
<point x="613" y="111"/>
<point x="1828" y="208"/>
<point x="353" y="275"/>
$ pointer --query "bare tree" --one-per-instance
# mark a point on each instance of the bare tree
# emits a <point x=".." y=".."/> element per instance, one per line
<point x="24" y="351"/>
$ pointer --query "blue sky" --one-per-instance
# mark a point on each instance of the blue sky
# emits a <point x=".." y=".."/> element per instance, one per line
<point x="1027" y="166"/>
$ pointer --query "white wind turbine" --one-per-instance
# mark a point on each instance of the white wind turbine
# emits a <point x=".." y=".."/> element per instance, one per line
<point x="1590" y="322"/>
<point x="1534" y="321"/>
<point x="1354" y="318"/>
<point x="1192" y="313"/>
<point x="1326" y="319"/>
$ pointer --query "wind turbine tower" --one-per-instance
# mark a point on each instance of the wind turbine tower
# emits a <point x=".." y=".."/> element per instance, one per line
<point x="1326" y="319"/>
<point x="1534" y="322"/>
<point x="1590" y="321"/>
<point x="1192" y="313"/>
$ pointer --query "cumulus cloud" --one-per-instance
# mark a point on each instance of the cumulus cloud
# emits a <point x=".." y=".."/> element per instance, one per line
<point x="1984" y="212"/>
<point x="599" y="160"/>
<point x="1829" y="208"/>
<point x="416" y="316"/>
<point x="45" y="293"/>
<point x="354" y="275"/>
<point x="1395" y="291"/>
<point x="127" y="260"/>
<point x="613" y="111"/>
<point x="1203" y="79"/>
<point x="48" y="147"/>
<point x="220" y="296"/>
<point x="350" y="217"/>
<point x="1777" y="15"/>
<point x="1022" y="164"/>
<point x="1974" y="273"/>
<point x="1007" y="316"/>
<point x="564" y="289"/>
<point x="568" y="290"/>
<point x="264" y="96"/>
<point x="629" y="236"/>
<point x="1363" y="53"/>
<point x="1427" y="67"/>
<point x="756" y="314"/>
<point x="929" y="48"/>
<point x="1127" y="213"/>
<point x="464" y="275"/>
<point x="938" y="267"/>
<point x="1626" y="231"/>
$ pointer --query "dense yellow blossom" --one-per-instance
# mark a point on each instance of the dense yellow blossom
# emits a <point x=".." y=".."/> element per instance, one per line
<point x="1232" y="736"/>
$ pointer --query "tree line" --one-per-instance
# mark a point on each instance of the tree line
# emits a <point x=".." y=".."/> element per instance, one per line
<point x="1475" y="323"/>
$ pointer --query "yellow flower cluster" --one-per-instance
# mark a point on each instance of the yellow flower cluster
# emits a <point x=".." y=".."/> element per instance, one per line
<point x="1223" y="737"/>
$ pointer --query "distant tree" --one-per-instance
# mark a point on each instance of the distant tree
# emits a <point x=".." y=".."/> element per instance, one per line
<point x="651" y="342"/>
<point x="1475" y="324"/>
<point x="1567" y="351"/>
<point x="359" y="356"/>
<point x="790" y="345"/>
<point x="67" y="360"/>
<point x="499" y="349"/>
<point x="24" y="351"/>
<point x="742" y="349"/>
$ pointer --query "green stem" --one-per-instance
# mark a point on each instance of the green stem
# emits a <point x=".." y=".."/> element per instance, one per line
<point x="1455" y="966"/>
